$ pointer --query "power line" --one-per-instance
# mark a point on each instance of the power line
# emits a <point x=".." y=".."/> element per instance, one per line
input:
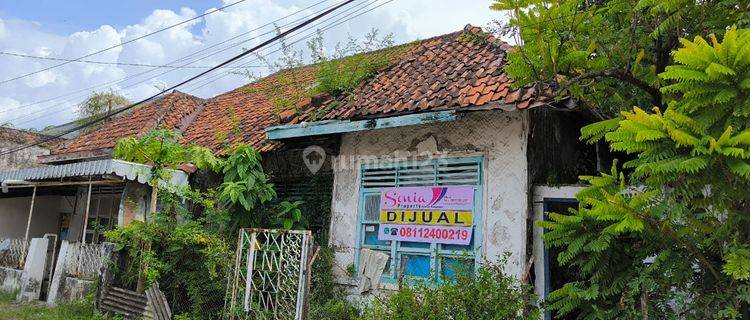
<point x="137" y="83"/>
<point x="121" y="44"/>
<point x="226" y="62"/>
<point x="129" y="64"/>
<point x="124" y="79"/>
<point x="212" y="78"/>
<point x="333" y="24"/>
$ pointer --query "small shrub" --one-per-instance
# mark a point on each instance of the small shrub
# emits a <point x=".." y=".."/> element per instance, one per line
<point x="489" y="294"/>
<point x="327" y="298"/>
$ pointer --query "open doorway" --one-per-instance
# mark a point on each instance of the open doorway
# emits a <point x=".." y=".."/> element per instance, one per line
<point x="555" y="275"/>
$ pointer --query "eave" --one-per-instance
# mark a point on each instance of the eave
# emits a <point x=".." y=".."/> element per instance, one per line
<point x="329" y="127"/>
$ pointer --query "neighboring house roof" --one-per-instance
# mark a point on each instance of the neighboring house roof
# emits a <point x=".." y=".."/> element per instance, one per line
<point x="171" y="111"/>
<point x="23" y="137"/>
<point x="240" y="115"/>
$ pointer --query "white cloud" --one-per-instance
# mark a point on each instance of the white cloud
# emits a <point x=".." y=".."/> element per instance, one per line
<point x="406" y="19"/>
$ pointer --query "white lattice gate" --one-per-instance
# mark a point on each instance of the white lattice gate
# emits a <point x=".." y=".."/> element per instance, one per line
<point x="270" y="274"/>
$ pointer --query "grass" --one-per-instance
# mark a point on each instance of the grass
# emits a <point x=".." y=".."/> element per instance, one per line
<point x="80" y="310"/>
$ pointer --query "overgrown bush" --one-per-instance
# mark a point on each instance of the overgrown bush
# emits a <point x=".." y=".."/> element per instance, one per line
<point x="327" y="298"/>
<point x="486" y="294"/>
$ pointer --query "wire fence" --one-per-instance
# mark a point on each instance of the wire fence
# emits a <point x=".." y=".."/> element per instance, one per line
<point x="13" y="252"/>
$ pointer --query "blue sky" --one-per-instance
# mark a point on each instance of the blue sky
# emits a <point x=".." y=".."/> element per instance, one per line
<point x="68" y="16"/>
<point x="69" y="29"/>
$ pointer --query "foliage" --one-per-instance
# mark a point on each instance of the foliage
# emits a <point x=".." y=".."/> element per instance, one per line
<point x="162" y="149"/>
<point x="488" y="294"/>
<point x="328" y="298"/>
<point x="351" y="63"/>
<point x="608" y="54"/>
<point x="188" y="260"/>
<point x="101" y="103"/>
<point x="78" y="310"/>
<point x="187" y="245"/>
<point x="293" y="82"/>
<point x="668" y="237"/>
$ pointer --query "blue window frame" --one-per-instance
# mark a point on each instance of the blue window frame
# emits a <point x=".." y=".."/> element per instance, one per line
<point x="420" y="261"/>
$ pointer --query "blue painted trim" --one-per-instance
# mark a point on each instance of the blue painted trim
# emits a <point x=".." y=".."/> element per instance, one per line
<point x="342" y="126"/>
<point x="433" y="251"/>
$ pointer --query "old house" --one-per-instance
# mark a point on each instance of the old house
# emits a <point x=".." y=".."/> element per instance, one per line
<point x="78" y="191"/>
<point x="443" y="134"/>
<point x="438" y="162"/>
<point x="11" y="138"/>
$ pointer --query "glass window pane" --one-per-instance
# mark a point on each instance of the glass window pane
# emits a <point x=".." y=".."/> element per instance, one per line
<point x="371" y="236"/>
<point x="457" y="247"/>
<point x="372" y="207"/>
<point x="419" y="245"/>
<point x="416" y="265"/>
<point x="450" y="267"/>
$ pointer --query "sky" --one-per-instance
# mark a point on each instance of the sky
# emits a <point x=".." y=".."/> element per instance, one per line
<point x="74" y="28"/>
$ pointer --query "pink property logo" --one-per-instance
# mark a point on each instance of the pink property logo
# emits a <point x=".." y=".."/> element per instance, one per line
<point x="440" y="198"/>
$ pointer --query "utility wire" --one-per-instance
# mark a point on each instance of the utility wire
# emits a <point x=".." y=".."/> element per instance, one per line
<point x="124" y="79"/>
<point x="121" y="44"/>
<point x="129" y="64"/>
<point x="235" y="58"/>
<point x="168" y="71"/>
<point x="333" y="24"/>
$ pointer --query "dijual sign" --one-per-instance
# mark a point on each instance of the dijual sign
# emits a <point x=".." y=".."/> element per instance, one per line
<point x="427" y="214"/>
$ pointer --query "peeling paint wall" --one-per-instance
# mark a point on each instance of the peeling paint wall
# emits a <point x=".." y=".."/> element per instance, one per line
<point x="21" y="159"/>
<point x="500" y="137"/>
<point x="134" y="204"/>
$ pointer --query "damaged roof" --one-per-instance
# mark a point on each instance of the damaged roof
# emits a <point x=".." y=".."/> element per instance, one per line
<point x="460" y="71"/>
<point x="171" y="111"/>
<point x="22" y="137"/>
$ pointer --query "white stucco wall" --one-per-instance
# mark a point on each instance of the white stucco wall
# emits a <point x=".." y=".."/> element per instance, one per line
<point x="499" y="137"/>
<point x="14" y="214"/>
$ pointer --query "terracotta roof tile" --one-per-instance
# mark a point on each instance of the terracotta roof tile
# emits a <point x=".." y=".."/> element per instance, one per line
<point x="447" y="72"/>
<point x="167" y="111"/>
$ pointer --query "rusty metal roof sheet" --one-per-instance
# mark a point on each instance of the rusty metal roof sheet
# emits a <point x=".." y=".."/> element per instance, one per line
<point x="127" y="170"/>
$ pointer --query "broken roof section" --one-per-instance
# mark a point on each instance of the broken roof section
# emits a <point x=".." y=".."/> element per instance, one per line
<point x="456" y="72"/>
<point x="171" y="111"/>
<point x="460" y="71"/>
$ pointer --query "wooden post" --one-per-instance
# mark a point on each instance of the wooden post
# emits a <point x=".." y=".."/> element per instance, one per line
<point x="28" y="226"/>
<point x="86" y="216"/>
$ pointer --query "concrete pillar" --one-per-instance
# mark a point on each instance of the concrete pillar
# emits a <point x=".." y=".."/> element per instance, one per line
<point x="58" y="279"/>
<point x="33" y="271"/>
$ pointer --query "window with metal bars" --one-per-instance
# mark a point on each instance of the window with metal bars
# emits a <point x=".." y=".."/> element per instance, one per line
<point x="416" y="260"/>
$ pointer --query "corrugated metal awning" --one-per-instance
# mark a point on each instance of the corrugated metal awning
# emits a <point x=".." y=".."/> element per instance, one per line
<point x="127" y="170"/>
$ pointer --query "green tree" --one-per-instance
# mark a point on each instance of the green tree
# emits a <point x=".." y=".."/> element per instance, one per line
<point x="101" y="103"/>
<point x="669" y="237"/>
<point x="608" y="54"/>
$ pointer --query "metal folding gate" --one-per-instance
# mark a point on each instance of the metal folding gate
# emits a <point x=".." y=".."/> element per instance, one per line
<point x="270" y="274"/>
